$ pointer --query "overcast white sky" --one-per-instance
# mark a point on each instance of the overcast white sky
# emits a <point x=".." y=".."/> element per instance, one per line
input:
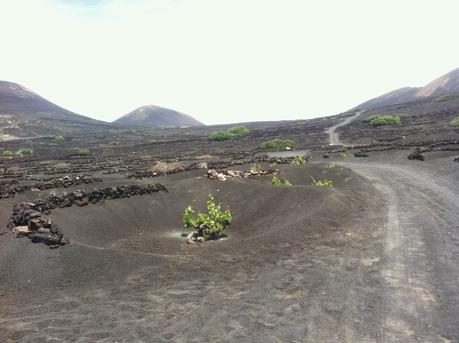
<point x="224" y="60"/>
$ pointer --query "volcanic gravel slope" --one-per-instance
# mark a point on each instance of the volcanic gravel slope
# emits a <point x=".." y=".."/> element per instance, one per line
<point x="294" y="265"/>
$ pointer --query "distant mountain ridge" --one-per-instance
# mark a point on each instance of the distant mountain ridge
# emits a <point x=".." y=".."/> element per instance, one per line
<point x="23" y="104"/>
<point x="156" y="116"/>
<point x="446" y="84"/>
<point x="24" y="113"/>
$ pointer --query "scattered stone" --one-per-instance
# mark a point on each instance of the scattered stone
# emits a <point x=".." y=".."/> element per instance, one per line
<point x="360" y="153"/>
<point x="416" y="155"/>
<point x="456" y="159"/>
<point x="30" y="218"/>
<point x="21" y="230"/>
<point x="326" y="155"/>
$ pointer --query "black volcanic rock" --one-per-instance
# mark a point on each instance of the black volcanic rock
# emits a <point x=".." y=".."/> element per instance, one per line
<point x="155" y="116"/>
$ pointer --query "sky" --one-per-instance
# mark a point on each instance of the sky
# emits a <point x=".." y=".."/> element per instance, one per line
<point x="224" y="61"/>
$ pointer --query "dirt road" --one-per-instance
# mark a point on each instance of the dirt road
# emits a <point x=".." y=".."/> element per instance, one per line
<point x="333" y="135"/>
<point x="421" y="249"/>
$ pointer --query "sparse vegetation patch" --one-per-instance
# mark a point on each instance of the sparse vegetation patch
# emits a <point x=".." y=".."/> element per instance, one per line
<point x="276" y="181"/>
<point x="321" y="183"/>
<point x="382" y="120"/>
<point x="59" y="138"/>
<point x="7" y="153"/>
<point x="220" y="136"/>
<point x="447" y="97"/>
<point x="24" y="152"/>
<point x="228" y="134"/>
<point x="84" y="152"/>
<point x="298" y="160"/>
<point x="279" y="144"/>
<point x="454" y="122"/>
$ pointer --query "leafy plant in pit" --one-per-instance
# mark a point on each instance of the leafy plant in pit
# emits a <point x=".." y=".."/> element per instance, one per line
<point x="299" y="160"/>
<point x="278" y="144"/>
<point x="220" y="136"/>
<point x="321" y="183"/>
<point x="382" y="120"/>
<point x="212" y="223"/>
<point x="276" y="181"/>
<point x="7" y="153"/>
<point x="454" y="122"/>
<point x="238" y="130"/>
<point x="29" y="142"/>
<point x="59" y="138"/>
<point x="83" y="152"/>
<point x="24" y="152"/>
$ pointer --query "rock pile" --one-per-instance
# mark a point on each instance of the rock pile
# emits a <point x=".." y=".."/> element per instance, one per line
<point x="416" y="155"/>
<point x="8" y="189"/>
<point x="30" y="218"/>
<point x="360" y="153"/>
<point x="98" y="196"/>
<point x="27" y="221"/>
<point x="280" y="160"/>
<point x="140" y="174"/>
<point x="223" y="175"/>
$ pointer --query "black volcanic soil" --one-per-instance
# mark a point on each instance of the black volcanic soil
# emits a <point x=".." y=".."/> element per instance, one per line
<point x="127" y="267"/>
<point x="371" y="259"/>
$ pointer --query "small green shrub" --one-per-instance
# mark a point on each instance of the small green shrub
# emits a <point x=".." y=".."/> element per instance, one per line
<point x="276" y="181"/>
<point x="447" y="97"/>
<point x="299" y="160"/>
<point x="345" y="154"/>
<point x="24" y="152"/>
<point x="332" y="165"/>
<point x="382" y="120"/>
<point x="228" y="134"/>
<point x="7" y="153"/>
<point x="255" y="167"/>
<point x="454" y="122"/>
<point x="212" y="223"/>
<point x="59" y="138"/>
<point x="238" y="130"/>
<point x="220" y="136"/>
<point x="321" y="183"/>
<point x="279" y="144"/>
<point x="29" y="142"/>
<point x="113" y="143"/>
<point x="83" y="152"/>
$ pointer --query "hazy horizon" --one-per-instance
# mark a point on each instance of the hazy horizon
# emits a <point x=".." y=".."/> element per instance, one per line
<point x="220" y="61"/>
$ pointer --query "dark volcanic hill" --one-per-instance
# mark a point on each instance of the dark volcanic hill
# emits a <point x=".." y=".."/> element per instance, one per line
<point x="446" y="84"/>
<point x="155" y="116"/>
<point x="24" y="113"/>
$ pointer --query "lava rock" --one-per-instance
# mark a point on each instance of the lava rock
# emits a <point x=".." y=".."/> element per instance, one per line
<point x="416" y="155"/>
<point x="360" y="154"/>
